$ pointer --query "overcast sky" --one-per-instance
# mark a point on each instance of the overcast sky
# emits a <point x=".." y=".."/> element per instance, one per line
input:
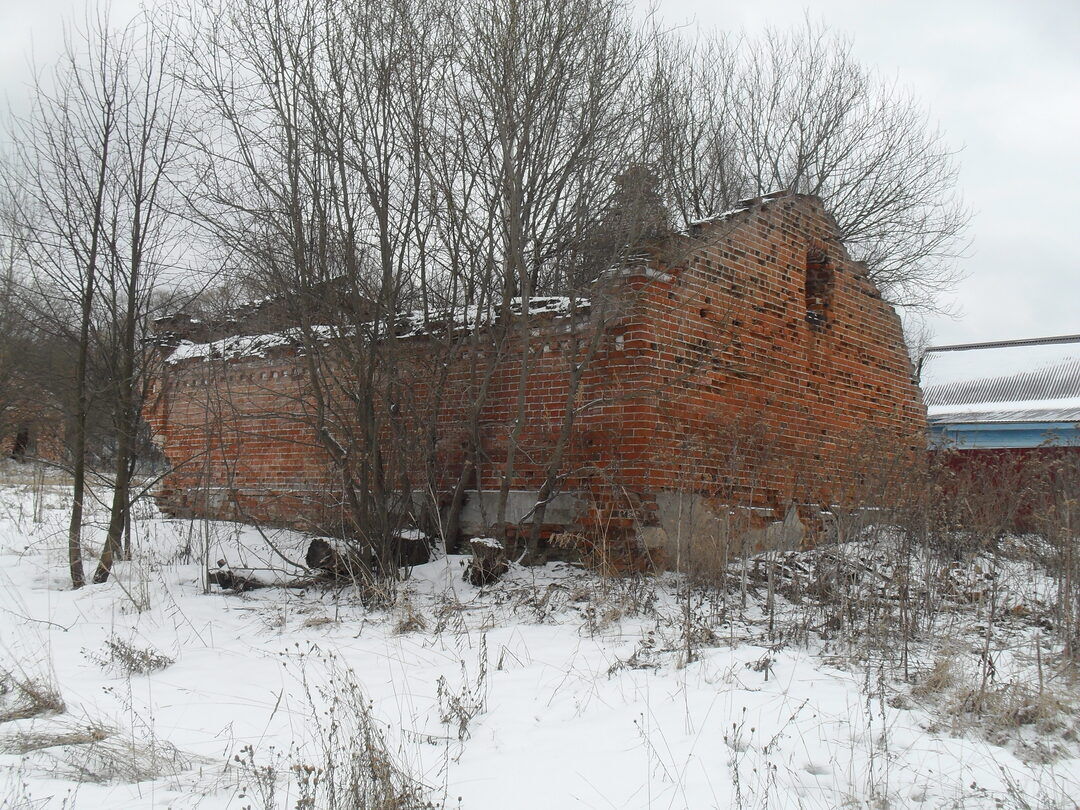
<point x="1000" y="77"/>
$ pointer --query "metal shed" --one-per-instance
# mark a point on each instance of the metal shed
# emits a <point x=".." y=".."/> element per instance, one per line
<point x="1012" y="394"/>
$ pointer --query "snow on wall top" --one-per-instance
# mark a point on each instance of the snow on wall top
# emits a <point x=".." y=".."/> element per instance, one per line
<point x="416" y="322"/>
<point x="742" y="207"/>
<point x="237" y="346"/>
<point x="406" y="325"/>
<point x="1034" y="380"/>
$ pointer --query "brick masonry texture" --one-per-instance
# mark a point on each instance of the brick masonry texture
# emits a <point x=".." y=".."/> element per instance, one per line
<point x="32" y="425"/>
<point x="749" y="362"/>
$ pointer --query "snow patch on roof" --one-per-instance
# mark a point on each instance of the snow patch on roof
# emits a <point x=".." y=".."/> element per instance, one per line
<point x="236" y="346"/>
<point x="719" y="217"/>
<point x="1047" y="410"/>
<point x="406" y="325"/>
<point x="742" y="207"/>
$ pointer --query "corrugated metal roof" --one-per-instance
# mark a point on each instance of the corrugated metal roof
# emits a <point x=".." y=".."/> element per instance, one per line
<point x="1060" y="381"/>
<point x="1034" y="380"/>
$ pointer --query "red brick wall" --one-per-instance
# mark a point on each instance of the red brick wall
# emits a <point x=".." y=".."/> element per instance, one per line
<point x="35" y="411"/>
<point x="754" y="399"/>
<point x="239" y="443"/>
<point x="712" y="379"/>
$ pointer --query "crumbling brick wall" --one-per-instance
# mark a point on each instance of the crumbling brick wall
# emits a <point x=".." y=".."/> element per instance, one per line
<point x="752" y="365"/>
<point x="32" y="425"/>
<point x="779" y="375"/>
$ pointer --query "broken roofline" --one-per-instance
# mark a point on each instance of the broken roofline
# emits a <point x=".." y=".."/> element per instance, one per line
<point x="417" y="322"/>
<point x="414" y="323"/>
<point x="742" y="207"/>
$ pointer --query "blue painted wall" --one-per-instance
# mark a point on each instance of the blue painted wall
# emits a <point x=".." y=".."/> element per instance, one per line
<point x="1005" y="435"/>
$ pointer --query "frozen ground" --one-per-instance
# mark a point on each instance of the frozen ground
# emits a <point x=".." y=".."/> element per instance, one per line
<point x="552" y="689"/>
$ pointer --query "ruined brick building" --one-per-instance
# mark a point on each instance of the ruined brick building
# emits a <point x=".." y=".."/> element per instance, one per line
<point x="751" y="378"/>
<point x="31" y="423"/>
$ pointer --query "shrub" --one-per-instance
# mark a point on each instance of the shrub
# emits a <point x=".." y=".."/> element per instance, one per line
<point x="127" y="659"/>
<point x="345" y="764"/>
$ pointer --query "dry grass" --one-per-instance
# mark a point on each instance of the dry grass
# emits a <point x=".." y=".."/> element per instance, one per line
<point x="407" y="619"/>
<point x="26" y="741"/>
<point x="346" y="763"/>
<point x="940" y="678"/>
<point x="23" y="696"/>
<point x="117" y="758"/>
<point x="1005" y="707"/>
<point x="93" y="752"/>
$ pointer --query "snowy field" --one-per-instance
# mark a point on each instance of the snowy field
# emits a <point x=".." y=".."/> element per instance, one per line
<point x="552" y="689"/>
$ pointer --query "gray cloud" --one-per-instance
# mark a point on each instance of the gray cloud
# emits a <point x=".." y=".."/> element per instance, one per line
<point x="1001" y="78"/>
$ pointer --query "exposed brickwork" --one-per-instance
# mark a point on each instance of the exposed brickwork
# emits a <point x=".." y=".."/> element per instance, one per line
<point x="31" y="425"/>
<point x="736" y="343"/>
<point x="754" y="365"/>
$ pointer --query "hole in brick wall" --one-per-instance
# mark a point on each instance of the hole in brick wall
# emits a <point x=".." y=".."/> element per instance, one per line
<point x="703" y="312"/>
<point x="818" y="286"/>
<point x="708" y="300"/>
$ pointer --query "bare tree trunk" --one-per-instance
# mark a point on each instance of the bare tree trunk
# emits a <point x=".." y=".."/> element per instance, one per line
<point x="75" y="566"/>
<point x="126" y="422"/>
<point x="146" y="135"/>
<point x="78" y="576"/>
<point x="119" y="510"/>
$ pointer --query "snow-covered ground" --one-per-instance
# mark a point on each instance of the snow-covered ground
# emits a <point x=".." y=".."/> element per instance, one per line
<point x="554" y="688"/>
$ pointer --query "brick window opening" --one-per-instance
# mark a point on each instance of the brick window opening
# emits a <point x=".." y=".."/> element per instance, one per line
<point x="819" y="286"/>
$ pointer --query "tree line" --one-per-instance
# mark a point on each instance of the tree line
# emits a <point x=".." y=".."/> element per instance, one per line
<point x="444" y="159"/>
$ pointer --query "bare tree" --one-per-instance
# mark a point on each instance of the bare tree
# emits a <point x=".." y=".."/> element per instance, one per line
<point x="316" y="186"/>
<point x="63" y="150"/>
<point x="11" y="334"/>
<point x="148" y="161"/>
<point x="548" y="104"/>
<point x="737" y="118"/>
<point x="91" y="178"/>
<point x="417" y="164"/>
